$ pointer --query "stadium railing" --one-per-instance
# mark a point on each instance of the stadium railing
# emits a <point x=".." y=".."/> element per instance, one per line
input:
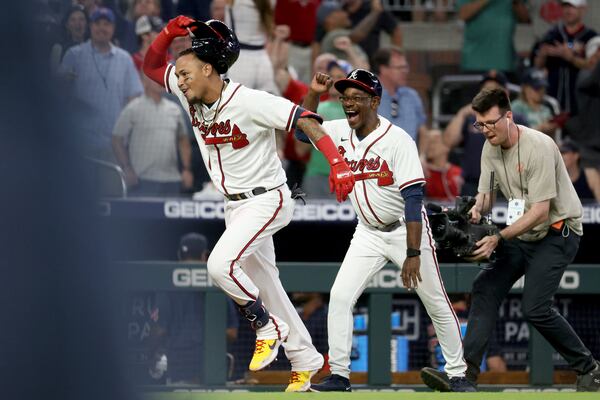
<point x="319" y="277"/>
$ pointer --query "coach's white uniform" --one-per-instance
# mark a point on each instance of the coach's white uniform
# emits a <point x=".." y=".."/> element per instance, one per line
<point x="384" y="162"/>
<point x="237" y="140"/>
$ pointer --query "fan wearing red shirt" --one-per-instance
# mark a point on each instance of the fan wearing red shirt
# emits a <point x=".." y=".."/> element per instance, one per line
<point x="443" y="179"/>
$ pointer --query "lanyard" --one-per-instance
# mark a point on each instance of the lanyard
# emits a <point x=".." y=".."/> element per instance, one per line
<point x="518" y="165"/>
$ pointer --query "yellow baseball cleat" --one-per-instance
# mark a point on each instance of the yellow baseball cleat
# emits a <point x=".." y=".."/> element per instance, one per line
<point x="265" y="352"/>
<point x="300" y="381"/>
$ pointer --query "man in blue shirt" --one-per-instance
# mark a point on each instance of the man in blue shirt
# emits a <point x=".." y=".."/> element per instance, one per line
<point x="400" y="104"/>
<point x="102" y="79"/>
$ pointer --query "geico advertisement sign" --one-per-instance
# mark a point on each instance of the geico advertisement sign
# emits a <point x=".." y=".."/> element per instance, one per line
<point x="191" y="277"/>
<point x="392" y="278"/>
<point x="184" y="209"/>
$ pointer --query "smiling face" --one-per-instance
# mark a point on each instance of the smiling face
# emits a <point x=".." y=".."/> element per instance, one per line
<point x="361" y="109"/>
<point x="192" y="77"/>
<point x="76" y="25"/>
<point x="101" y="31"/>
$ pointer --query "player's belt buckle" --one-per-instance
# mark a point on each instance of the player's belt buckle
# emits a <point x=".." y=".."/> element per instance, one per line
<point x="391" y="227"/>
<point x="254" y="192"/>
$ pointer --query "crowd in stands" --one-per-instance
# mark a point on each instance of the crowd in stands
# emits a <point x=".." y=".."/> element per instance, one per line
<point x="96" y="48"/>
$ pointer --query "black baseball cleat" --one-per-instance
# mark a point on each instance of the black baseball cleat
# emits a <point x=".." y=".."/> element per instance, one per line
<point x="436" y="380"/>
<point x="333" y="383"/>
<point x="461" y="384"/>
<point x="589" y="382"/>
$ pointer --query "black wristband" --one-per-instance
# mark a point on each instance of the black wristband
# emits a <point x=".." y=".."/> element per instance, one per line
<point x="413" y="252"/>
<point x="499" y="236"/>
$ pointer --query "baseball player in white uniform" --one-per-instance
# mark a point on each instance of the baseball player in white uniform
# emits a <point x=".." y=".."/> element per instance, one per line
<point x="235" y="130"/>
<point x="388" y="199"/>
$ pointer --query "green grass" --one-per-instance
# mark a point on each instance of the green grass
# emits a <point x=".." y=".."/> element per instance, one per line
<point x="373" y="396"/>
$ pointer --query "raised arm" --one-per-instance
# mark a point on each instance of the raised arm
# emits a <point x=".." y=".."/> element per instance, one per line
<point x="341" y="178"/>
<point x="155" y="63"/>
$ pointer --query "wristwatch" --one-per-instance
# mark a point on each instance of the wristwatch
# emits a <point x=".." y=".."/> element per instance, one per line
<point x="412" y="252"/>
<point x="499" y="236"/>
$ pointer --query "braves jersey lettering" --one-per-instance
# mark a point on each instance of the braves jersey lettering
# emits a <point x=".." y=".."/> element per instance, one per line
<point x="383" y="162"/>
<point x="236" y="135"/>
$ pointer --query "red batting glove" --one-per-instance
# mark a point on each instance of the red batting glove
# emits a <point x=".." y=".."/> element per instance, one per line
<point x="341" y="179"/>
<point x="178" y="26"/>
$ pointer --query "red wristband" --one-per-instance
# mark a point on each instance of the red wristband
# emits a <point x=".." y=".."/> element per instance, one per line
<point x="327" y="147"/>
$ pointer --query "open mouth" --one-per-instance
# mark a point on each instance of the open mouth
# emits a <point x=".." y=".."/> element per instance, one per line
<point x="352" y="116"/>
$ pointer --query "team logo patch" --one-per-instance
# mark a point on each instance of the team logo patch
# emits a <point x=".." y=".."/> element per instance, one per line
<point x="384" y="176"/>
<point x="237" y="139"/>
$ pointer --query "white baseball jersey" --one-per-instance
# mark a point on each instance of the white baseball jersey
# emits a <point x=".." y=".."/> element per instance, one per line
<point x="384" y="162"/>
<point x="236" y="135"/>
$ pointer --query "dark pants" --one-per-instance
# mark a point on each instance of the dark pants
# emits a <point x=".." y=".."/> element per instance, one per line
<point x="543" y="263"/>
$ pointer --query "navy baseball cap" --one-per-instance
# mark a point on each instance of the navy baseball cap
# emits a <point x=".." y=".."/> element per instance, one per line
<point x="192" y="246"/>
<point x="103" y="12"/>
<point x="496" y="76"/>
<point x="360" y="79"/>
<point x="535" y="78"/>
<point x="568" y="146"/>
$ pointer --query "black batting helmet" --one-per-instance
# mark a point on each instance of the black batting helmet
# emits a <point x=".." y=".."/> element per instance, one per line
<point x="215" y="43"/>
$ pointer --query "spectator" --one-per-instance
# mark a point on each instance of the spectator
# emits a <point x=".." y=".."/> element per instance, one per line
<point x="531" y="103"/>
<point x="177" y="339"/>
<point x="316" y="178"/>
<point x="103" y="80"/>
<point x="124" y="36"/>
<point x="562" y="53"/>
<point x="461" y="130"/>
<point x="369" y="20"/>
<point x="146" y="29"/>
<point x="488" y="33"/>
<point x="585" y="127"/>
<point x="252" y="22"/>
<point x="570" y="155"/>
<point x="400" y="104"/>
<point x="217" y="9"/>
<point x="293" y="90"/>
<point x="145" y="141"/>
<point x="301" y="18"/>
<point x="443" y="179"/>
<point x="333" y="22"/>
<point x="74" y="31"/>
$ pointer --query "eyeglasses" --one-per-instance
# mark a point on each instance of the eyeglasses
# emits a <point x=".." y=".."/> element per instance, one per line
<point x="353" y="99"/>
<point x="491" y="125"/>
<point x="394" y="108"/>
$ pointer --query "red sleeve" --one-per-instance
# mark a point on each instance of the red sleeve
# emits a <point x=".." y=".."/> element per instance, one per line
<point x="295" y="91"/>
<point x="155" y="62"/>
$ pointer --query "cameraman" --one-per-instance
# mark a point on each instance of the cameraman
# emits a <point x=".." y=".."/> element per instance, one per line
<point x="540" y="240"/>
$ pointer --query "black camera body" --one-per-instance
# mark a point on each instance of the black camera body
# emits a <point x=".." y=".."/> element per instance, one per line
<point x="452" y="229"/>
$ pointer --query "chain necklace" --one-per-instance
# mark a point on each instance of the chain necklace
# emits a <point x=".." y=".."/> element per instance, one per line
<point x="208" y="124"/>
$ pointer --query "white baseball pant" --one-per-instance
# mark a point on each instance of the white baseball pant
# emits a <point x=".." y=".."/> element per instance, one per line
<point x="369" y="251"/>
<point x="242" y="263"/>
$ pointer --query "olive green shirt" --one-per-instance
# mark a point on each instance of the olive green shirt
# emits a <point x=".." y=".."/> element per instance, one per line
<point x="543" y="177"/>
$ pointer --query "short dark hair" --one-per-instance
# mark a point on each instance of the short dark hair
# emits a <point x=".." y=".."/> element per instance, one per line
<point x="489" y="98"/>
<point x="186" y="52"/>
<point x="382" y="57"/>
